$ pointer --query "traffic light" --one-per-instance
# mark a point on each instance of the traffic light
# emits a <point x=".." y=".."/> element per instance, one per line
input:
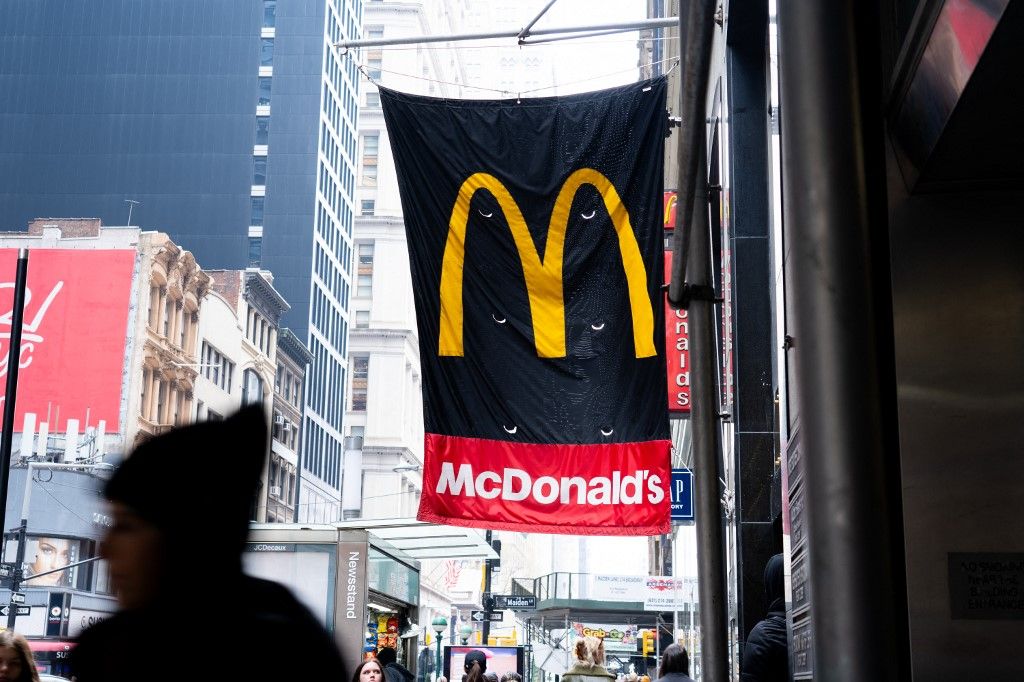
<point x="648" y="642"/>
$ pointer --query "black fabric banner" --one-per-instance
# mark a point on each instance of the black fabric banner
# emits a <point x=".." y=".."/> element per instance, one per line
<point x="535" y="239"/>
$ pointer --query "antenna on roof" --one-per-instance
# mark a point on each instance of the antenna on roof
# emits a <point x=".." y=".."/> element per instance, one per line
<point x="131" y="204"/>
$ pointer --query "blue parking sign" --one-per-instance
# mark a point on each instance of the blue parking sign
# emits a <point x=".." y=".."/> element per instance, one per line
<point x="682" y="496"/>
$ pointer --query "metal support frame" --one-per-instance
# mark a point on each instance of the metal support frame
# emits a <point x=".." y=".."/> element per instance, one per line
<point x="835" y="211"/>
<point x="521" y="35"/>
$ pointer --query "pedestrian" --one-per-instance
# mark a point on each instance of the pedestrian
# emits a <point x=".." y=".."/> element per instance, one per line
<point x="475" y="666"/>
<point x="393" y="670"/>
<point x="511" y="676"/>
<point x="369" y="670"/>
<point x="589" y="662"/>
<point x="16" y="663"/>
<point x="766" y="651"/>
<point x="491" y="676"/>
<point x="180" y="506"/>
<point x="675" y="664"/>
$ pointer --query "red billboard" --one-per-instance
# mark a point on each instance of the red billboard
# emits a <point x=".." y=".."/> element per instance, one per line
<point x="73" y="336"/>
<point x="677" y="353"/>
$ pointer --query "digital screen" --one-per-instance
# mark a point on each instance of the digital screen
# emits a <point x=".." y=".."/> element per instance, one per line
<point x="500" y="660"/>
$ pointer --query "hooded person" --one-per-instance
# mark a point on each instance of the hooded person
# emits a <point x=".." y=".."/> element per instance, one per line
<point x="589" y="662"/>
<point x="766" y="651"/>
<point x="393" y="670"/>
<point x="180" y="505"/>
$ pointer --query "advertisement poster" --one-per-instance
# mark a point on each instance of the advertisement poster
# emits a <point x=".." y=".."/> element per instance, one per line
<point x="73" y="336"/>
<point x="616" y="637"/>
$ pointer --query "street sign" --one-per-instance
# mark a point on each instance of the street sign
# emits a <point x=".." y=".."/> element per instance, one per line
<point x="17" y="598"/>
<point x="682" y="496"/>
<point x="5" y="610"/>
<point x="514" y="602"/>
<point x="477" y="616"/>
<point x="497" y="616"/>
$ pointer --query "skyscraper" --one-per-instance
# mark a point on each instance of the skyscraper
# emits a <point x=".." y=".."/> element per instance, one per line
<point x="228" y="124"/>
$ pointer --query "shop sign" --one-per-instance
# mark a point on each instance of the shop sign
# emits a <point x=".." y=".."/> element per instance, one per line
<point x="615" y="637"/>
<point x="677" y="353"/>
<point x="657" y="593"/>
<point x="351" y="618"/>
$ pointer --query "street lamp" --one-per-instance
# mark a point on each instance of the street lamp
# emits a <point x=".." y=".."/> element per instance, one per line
<point x="440" y="624"/>
<point x="465" y="631"/>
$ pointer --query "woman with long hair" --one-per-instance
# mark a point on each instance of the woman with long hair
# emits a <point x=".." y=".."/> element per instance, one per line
<point x="475" y="666"/>
<point x="369" y="670"/>
<point x="16" y="663"/>
<point x="589" y="664"/>
<point x="675" y="665"/>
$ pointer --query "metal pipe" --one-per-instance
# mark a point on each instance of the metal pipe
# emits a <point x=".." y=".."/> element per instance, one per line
<point x="706" y="437"/>
<point x="695" y="35"/>
<point x="834" y="197"/>
<point x="460" y="37"/>
<point x="11" y="394"/>
<point x="526" y="31"/>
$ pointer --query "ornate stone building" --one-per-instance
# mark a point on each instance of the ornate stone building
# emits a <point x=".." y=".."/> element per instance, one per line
<point x="169" y="340"/>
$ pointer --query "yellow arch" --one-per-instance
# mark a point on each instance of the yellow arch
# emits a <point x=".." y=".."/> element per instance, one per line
<point x="543" y="278"/>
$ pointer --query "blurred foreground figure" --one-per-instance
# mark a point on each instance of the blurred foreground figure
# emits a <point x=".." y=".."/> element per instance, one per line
<point x="180" y="506"/>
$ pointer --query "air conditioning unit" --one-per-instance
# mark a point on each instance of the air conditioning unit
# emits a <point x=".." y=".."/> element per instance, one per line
<point x="279" y="420"/>
<point x="275" y="490"/>
<point x="287" y="425"/>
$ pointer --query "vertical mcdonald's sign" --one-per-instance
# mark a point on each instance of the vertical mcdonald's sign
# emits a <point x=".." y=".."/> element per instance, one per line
<point x="669" y="202"/>
<point x="677" y="354"/>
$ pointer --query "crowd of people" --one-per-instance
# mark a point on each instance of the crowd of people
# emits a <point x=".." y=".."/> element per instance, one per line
<point x="151" y="548"/>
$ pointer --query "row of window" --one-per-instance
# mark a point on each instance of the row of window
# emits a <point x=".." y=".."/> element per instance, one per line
<point x="216" y="367"/>
<point x="371" y="147"/>
<point x="288" y="386"/>
<point x="326" y="316"/>
<point x="326" y="379"/>
<point x="259" y="163"/>
<point x="360" y="378"/>
<point x="321" y="454"/>
<point x="330" y="275"/>
<point x="259" y="332"/>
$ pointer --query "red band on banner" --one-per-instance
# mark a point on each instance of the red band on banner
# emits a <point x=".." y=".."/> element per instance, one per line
<point x="604" y="489"/>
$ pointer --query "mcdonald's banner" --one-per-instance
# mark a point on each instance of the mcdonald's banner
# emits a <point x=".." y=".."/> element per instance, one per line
<point x="535" y="240"/>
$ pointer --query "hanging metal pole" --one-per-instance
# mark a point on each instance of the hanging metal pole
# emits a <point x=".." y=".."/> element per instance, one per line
<point x="835" y="209"/>
<point x="460" y="37"/>
<point x="526" y="31"/>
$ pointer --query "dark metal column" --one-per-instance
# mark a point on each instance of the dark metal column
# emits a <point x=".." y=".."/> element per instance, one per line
<point x="13" y="362"/>
<point x="834" y="205"/>
<point x="714" y="628"/>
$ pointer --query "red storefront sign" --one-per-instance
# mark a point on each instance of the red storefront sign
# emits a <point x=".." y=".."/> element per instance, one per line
<point x="605" y="489"/>
<point x="73" y="338"/>
<point x="677" y="353"/>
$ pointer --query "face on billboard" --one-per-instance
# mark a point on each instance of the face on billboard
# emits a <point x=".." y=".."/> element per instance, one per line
<point x="73" y="336"/>
<point x="49" y="554"/>
<point x="500" y="660"/>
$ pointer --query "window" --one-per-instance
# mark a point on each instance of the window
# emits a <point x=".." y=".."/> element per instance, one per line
<point x="373" y="32"/>
<point x="266" y="52"/>
<point x="269" y="13"/>
<point x="252" y="387"/>
<point x="255" y="251"/>
<point x="373" y="64"/>
<point x="364" y="286"/>
<point x="373" y="99"/>
<point x="262" y="130"/>
<point x="371" y="145"/>
<point x="259" y="170"/>
<point x="257" y="211"/>
<point x="366" y="257"/>
<point x="264" y="99"/>
<point x="367" y="206"/>
<point x="362" y="319"/>
<point x="360" y="376"/>
<point x="216" y="367"/>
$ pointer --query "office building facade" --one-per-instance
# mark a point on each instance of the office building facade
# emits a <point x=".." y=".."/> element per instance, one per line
<point x="230" y="125"/>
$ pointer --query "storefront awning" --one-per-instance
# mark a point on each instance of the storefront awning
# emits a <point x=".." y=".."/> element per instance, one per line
<point x="422" y="540"/>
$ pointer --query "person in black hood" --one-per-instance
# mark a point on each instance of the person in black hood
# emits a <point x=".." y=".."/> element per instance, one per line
<point x="766" y="651"/>
<point x="180" y="506"/>
<point x="393" y="670"/>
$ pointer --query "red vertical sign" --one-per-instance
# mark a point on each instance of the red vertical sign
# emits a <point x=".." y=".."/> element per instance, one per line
<point x="677" y="353"/>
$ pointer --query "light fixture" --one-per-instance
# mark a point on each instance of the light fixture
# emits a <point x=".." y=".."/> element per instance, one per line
<point x="439" y="624"/>
<point x="378" y="607"/>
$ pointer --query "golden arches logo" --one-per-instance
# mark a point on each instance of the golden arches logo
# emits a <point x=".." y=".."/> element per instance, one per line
<point x="543" y="277"/>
